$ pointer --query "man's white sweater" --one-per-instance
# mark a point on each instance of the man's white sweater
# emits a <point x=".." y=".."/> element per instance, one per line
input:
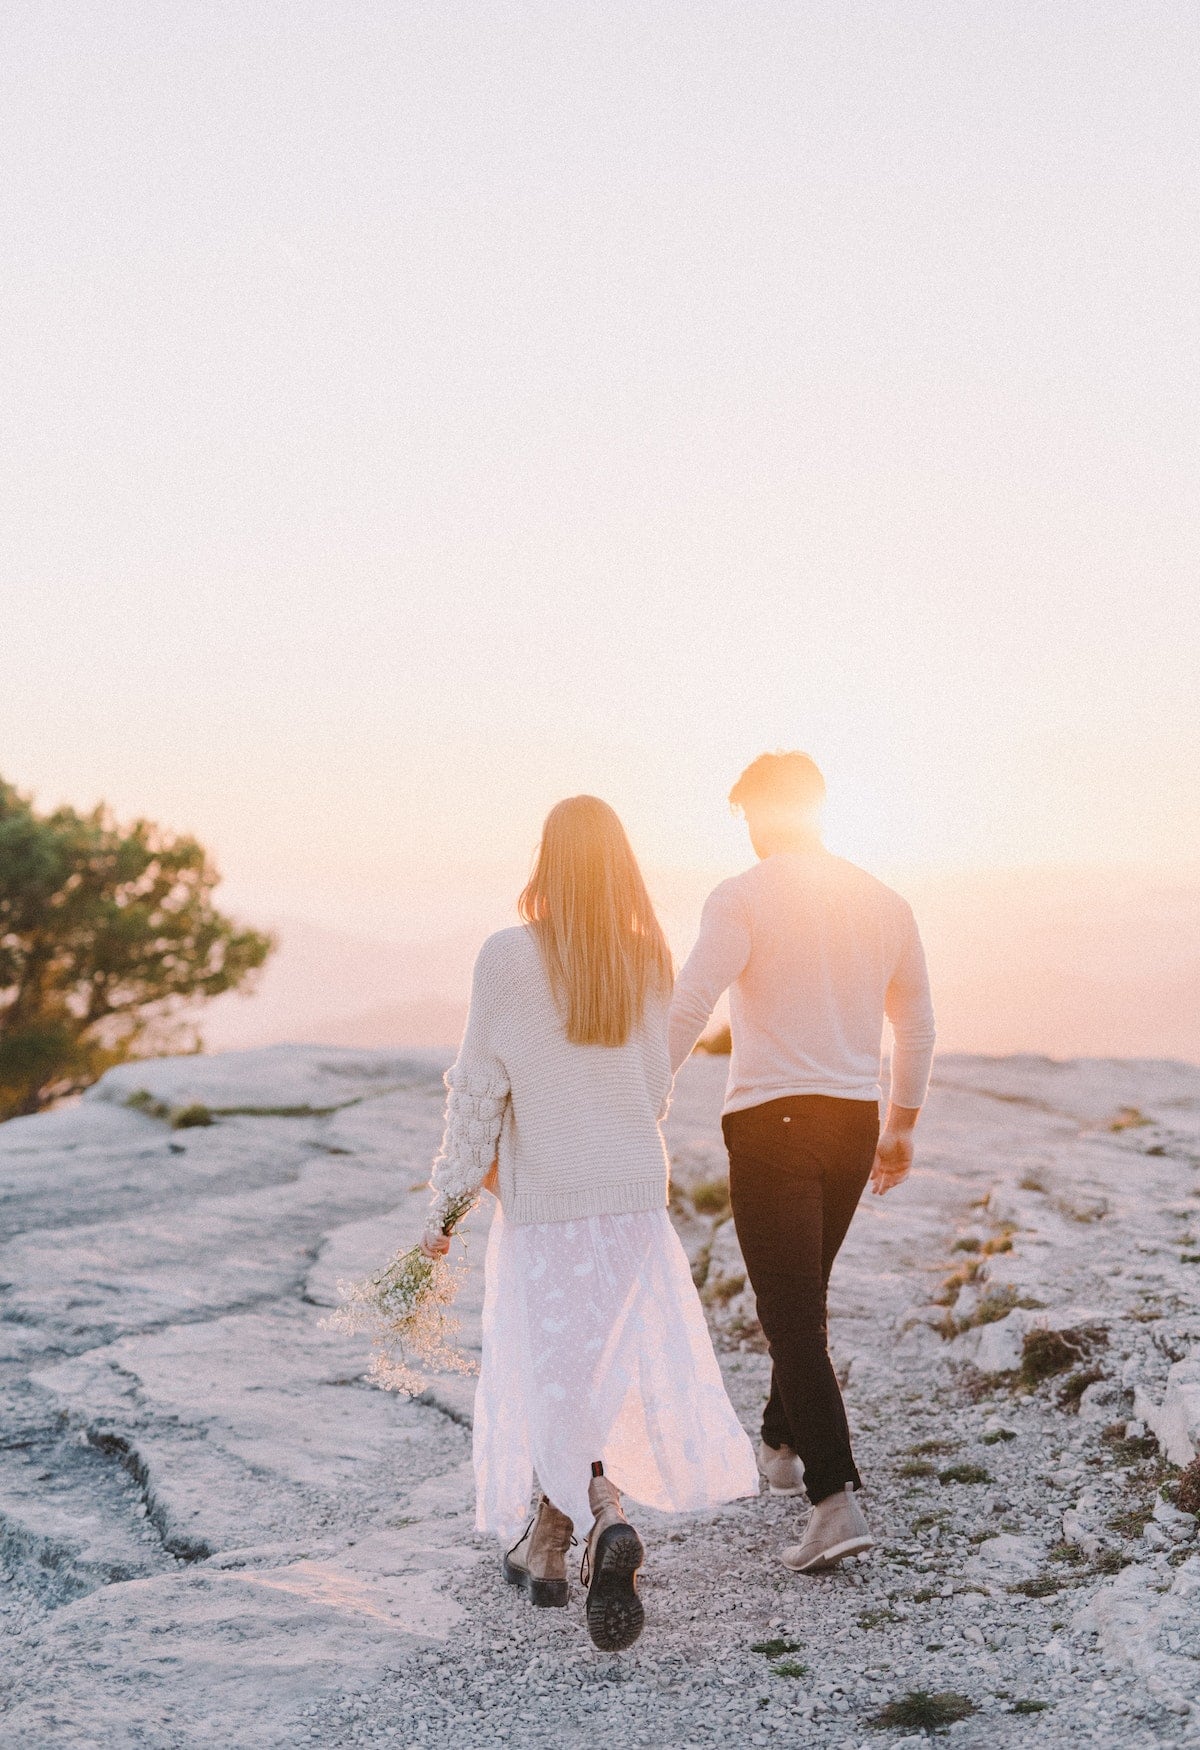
<point x="814" y="952"/>
<point x="573" y="1127"/>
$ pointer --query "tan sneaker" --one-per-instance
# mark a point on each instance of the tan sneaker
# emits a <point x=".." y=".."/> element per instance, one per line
<point x="782" y="1469"/>
<point x="836" y="1529"/>
<point x="614" y="1554"/>
<point x="538" y="1560"/>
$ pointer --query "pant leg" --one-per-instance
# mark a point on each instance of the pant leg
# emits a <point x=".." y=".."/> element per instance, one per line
<point x="779" y="1227"/>
<point x="850" y="1136"/>
<point x="797" y="1170"/>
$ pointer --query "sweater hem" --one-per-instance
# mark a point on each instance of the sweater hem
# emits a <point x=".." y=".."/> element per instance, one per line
<point x="532" y="1207"/>
<point x="741" y="1099"/>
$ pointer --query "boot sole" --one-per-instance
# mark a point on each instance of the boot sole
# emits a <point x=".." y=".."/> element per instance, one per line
<point x="829" y="1558"/>
<point x="778" y="1489"/>
<point x="546" y="1594"/>
<point x="615" y="1616"/>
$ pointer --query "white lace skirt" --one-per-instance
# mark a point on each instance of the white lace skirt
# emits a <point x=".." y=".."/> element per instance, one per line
<point x="595" y="1346"/>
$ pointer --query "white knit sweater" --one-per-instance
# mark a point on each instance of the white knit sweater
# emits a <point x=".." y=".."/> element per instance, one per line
<point x="814" y="952"/>
<point x="575" y="1127"/>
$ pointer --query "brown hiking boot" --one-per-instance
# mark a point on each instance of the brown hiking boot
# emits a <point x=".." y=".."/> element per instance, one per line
<point x="836" y="1529"/>
<point x="613" y="1555"/>
<point x="538" y="1560"/>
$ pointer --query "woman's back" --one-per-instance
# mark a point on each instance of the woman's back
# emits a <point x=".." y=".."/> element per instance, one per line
<point x="579" y="1123"/>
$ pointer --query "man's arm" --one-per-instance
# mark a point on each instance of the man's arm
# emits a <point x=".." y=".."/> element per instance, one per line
<point x="722" y="950"/>
<point x="909" y="1008"/>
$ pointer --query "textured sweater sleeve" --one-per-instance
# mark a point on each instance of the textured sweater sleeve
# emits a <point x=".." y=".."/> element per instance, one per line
<point x="721" y="952"/>
<point x="478" y="1091"/>
<point x="909" y="1008"/>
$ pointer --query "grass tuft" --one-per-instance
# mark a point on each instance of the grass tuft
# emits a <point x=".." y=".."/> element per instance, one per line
<point x="1046" y="1353"/>
<point x="1030" y="1707"/>
<point x="1187" y="1489"/>
<point x="711" y="1196"/>
<point x="917" y="1467"/>
<point x="1132" y="1521"/>
<point x="1131" y="1451"/>
<point x="920" y="1710"/>
<point x="1129" y="1118"/>
<point x="789" y="1668"/>
<point x="1001" y="1243"/>
<point x="775" y="1649"/>
<point x="720" y="1290"/>
<point x="964" y="1473"/>
<point x="1066" y="1552"/>
<point x="1074" y="1388"/>
<point x="193" y="1117"/>
<point x="1042" y="1586"/>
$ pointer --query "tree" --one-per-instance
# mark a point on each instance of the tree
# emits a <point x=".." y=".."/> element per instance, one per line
<point x="108" y="937"/>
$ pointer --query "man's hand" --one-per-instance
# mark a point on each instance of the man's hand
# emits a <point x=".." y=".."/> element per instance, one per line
<point x="893" y="1158"/>
<point x="894" y="1155"/>
<point x="434" y="1244"/>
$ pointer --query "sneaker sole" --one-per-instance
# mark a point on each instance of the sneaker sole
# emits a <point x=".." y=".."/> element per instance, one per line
<point x="546" y="1594"/>
<point x="615" y="1617"/>
<point x="829" y="1558"/>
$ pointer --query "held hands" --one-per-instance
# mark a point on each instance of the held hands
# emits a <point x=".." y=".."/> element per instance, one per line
<point x="434" y="1244"/>
<point x="893" y="1158"/>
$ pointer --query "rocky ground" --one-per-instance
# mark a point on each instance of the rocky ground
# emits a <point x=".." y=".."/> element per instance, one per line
<point x="213" y="1532"/>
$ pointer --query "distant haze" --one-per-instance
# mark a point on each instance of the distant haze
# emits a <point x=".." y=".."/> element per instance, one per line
<point x="1069" y="963"/>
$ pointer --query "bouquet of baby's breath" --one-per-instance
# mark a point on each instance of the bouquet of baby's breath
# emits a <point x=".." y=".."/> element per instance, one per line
<point x="405" y="1307"/>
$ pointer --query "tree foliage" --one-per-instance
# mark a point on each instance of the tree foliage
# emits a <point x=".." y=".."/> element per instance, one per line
<point x="108" y="938"/>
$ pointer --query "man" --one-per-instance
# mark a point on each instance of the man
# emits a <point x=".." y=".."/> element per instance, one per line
<point x="815" y="952"/>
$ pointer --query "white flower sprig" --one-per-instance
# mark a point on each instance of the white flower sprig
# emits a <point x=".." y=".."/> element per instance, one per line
<point x="405" y="1308"/>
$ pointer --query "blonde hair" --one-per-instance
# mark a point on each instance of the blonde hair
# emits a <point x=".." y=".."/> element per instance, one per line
<point x="587" y="905"/>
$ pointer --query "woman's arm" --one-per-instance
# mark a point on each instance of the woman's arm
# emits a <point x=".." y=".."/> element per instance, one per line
<point x="478" y="1092"/>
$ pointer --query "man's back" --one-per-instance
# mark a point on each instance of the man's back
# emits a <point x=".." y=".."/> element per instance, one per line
<point x="814" y="952"/>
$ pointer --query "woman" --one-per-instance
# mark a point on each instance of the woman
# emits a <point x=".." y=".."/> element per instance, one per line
<point x="597" y="1371"/>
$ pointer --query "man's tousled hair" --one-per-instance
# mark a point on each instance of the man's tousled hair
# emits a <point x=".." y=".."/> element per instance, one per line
<point x="791" y="782"/>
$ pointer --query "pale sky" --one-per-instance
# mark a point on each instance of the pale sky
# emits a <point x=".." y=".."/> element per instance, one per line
<point x="413" y="413"/>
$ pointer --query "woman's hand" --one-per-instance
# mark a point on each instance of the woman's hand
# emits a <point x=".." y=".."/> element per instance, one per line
<point x="434" y="1244"/>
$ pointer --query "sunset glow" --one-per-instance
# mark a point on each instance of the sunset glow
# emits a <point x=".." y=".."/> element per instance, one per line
<point x="376" y="482"/>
